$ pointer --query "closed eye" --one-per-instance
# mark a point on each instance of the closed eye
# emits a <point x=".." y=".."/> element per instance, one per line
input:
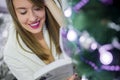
<point x="22" y="11"/>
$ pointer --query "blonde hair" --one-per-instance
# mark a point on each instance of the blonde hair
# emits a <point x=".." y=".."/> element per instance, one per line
<point x="27" y="37"/>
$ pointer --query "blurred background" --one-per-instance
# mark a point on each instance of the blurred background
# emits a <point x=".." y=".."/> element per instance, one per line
<point x="5" y="22"/>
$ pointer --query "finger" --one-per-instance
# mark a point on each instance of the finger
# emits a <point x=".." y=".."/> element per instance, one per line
<point x="73" y="77"/>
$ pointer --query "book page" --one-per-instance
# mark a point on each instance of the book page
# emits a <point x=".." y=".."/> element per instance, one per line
<point x="58" y="70"/>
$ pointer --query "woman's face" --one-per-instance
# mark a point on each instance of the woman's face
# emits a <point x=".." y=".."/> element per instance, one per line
<point x="31" y="17"/>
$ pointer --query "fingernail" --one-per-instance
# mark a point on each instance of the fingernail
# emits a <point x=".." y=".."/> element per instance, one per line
<point x="76" y="75"/>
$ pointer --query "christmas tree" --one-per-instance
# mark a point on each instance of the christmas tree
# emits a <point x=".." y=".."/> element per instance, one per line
<point x="92" y="38"/>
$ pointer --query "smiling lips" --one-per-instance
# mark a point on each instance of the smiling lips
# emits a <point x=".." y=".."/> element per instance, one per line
<point x="35" y="25"/>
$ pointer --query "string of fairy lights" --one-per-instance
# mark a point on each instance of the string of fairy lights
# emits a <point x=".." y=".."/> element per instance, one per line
<point x="86" y="41"/>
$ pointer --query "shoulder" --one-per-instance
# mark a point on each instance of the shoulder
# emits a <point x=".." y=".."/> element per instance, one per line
<point x="11" y="41"/>
<point x="12" y="47"/>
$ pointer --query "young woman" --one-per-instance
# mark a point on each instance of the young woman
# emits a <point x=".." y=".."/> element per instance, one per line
<point x="33" y="40"/>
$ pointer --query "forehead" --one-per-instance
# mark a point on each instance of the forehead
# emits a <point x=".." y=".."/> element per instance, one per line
<point x="22" y="3"/>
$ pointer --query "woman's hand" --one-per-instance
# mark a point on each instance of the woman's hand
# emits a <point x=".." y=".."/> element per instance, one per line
<point x="74" y="77"/>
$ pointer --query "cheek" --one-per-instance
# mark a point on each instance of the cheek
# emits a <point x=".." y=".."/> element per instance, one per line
<point x="42" y="14"/>
<point x="21" y="19"/>
<point x="44" y="17"/>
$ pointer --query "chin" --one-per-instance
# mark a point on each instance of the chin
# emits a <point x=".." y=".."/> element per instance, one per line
<point x="36" y="31"/>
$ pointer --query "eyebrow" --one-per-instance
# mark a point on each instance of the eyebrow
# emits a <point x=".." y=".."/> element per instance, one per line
<point x="20" y="8"/>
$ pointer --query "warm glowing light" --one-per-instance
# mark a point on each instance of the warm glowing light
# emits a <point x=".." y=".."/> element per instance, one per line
<point x="94" y="46"/>
<point x="106" y="58"/>
<point x="68" y="12"/>
<point x="72" y="35"/>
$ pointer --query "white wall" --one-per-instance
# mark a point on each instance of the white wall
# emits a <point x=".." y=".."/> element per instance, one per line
<point x="3" y="6"/>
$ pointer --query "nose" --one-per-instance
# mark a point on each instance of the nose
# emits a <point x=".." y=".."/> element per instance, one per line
<point x="32" y="16"/>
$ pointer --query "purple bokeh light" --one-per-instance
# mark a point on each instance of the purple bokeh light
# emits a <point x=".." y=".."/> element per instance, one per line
<point x="80" y="4"/>
<point x="110" y="68"/>
<point x="72" y="35"/>
<point x="94" y="46"/>
<point x="107" y="2"/>
<point x="68" y="12"/>
<point x="106" y="57"/>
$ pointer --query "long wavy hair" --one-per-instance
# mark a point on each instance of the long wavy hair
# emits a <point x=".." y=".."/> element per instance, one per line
<point x="28" y="38"/>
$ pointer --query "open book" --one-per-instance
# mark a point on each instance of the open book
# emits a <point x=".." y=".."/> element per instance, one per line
<point x="58" y="70"/>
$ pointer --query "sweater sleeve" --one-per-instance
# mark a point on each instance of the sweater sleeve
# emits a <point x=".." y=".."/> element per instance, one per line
<point x="18" y="69"/>
<point x="64" y="4"/>
<point x="56" y="11"/>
